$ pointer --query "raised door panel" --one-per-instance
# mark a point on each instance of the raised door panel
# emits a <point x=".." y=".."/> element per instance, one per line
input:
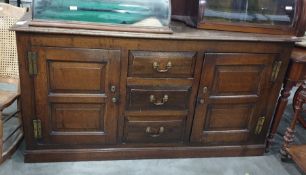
<point x="244" y="80"/>
<point x="231" y="98"/>
<point x="77" y="117"/>
<point x="77" y="77"/>
<point x="218" y="117"/>
<point x="73" y="91"/>
<point x="228" y="124"/>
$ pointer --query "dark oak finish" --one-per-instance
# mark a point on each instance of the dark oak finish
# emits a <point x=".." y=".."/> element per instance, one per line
<point x="73" y="96"/>
<point x="99" y="95"/>
<point x="232" y="95"/>
<point x="60" y="155"/>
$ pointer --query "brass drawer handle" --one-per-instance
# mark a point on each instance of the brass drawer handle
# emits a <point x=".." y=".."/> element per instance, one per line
<point x="155" y="132"/>
<point x="159" y="102"/>
<point x="156" y="66"/>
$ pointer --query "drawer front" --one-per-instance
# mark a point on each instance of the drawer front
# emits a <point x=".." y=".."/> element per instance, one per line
<point x="155" y="129"/>
<point x="149" y="64"/>
<point x="157" y="99"/>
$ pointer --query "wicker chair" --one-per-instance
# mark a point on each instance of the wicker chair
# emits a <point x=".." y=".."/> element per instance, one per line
<point x="11" y="131"/>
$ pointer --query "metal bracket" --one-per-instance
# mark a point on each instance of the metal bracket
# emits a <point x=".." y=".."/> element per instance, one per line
<point x="276" y="68"/>
<point x="259" y="125"/>
<point x="37" y="129"/>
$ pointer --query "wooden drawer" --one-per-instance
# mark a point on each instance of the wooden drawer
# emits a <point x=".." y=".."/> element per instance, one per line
<point x="148" y="64"/>
<point x="155" y="98"/>
<point x="154" y="129"/>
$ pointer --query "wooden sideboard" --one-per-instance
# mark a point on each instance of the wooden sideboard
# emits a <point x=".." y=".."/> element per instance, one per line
<point x="96" y="95"/>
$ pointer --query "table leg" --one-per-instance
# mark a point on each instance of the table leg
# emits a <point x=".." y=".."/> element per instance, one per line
<point x="281" y="106"/>
<point x="289" y="134"/>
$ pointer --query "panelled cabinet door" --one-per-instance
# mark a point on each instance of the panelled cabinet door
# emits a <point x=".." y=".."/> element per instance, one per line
<point x="75" y="95"/>
<point x="231" y="99"/>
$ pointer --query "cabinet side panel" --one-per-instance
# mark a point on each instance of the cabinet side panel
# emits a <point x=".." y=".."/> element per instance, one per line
<point x="26" y="88"/>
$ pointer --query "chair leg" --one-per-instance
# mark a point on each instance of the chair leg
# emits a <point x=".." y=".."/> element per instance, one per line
<point x="11" y="148"/>
<point x="301" y="120"/>
<point x="289" y="134"/>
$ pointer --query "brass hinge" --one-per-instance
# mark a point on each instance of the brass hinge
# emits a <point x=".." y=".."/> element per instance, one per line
<point x="32" y="61"/>
<point x="37" y="129"/>
<point x="276" y="68"/>
<point x="259" y="125"/>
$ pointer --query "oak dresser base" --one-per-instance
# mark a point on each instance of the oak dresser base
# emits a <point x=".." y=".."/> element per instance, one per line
<point x="61" y="155"/>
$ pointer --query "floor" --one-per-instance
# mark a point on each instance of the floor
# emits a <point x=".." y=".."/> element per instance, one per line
<point x="269" y="165"/>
